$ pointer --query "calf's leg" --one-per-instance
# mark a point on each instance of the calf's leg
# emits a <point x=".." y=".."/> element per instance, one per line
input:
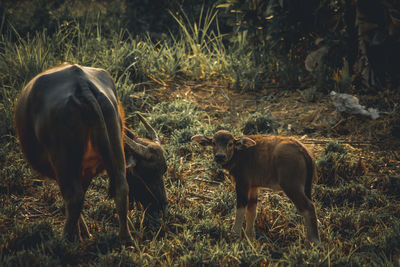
<point x="310" y="219"/>
<point x="306" y="208"/>
<point x="251" y="212"/>
<point x="241" y="204"/>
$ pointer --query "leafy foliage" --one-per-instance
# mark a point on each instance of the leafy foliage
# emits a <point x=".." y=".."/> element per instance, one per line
<point x="292" y="29"/>
<point x="260" y="123"/>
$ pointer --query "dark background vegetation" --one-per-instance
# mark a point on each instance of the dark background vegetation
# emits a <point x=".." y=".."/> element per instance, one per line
<point x="195" y="67"/>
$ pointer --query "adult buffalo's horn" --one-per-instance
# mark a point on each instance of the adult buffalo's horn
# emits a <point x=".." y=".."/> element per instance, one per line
<point x="150" y="129"/>
<point x="139" y="149"/>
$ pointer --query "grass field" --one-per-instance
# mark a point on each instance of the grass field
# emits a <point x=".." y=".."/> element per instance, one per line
<point x="185" y="86"/>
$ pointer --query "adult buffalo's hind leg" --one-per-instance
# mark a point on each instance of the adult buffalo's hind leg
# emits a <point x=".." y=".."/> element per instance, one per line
<point x="65" y="148"/>
<point x="73" y="199"/>
<point x="67" y="167"/>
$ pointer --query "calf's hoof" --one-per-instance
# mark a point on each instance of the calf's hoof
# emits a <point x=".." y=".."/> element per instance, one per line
<point x="250" y="235"/>
<point x="236" y="231"/>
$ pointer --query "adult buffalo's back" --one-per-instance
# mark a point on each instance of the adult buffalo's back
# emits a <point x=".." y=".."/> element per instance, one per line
<point x="68" y="103"/>
<point x="71" y="127"/>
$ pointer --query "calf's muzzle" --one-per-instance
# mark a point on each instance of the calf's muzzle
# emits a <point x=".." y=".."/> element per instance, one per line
<point x="219" y="157"/>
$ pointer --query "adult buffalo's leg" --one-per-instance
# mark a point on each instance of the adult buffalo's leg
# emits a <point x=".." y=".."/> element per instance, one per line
<point x="67" y="166"/>
<point x="65" y="146"/>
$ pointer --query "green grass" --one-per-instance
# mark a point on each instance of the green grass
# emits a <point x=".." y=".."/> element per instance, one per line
<point x="358" y="220"/>
<point x="359" y="214"/>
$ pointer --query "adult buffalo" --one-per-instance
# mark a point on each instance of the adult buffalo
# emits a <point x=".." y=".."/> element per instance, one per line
<point x="71" y="127"/>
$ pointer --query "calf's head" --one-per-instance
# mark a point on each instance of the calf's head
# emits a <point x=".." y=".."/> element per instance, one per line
<point x="224" y="144"/>
<point x="146" y="165"/>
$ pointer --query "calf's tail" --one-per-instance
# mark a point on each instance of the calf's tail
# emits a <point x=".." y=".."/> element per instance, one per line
<point x="311" y="173"/>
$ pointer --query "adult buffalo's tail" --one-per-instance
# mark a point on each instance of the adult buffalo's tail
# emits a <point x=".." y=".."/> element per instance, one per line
<point x="104" y="120"/>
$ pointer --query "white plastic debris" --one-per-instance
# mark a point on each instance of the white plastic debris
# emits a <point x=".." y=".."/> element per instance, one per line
<point x="349" y="104"/>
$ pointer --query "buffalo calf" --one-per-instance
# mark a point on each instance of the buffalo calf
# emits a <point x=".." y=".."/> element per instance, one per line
<point x="279" y="163"/>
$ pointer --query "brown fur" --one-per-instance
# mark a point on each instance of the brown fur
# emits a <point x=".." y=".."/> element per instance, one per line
<point x="71" y="127"/>
<point x="146" y="185"/>
<point x="279" y="163"/>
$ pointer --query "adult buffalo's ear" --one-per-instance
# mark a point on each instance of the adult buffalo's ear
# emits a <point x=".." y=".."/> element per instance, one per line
<point x="244" y="142"/>
<point x="138" y="149"/>
<point x="202" y="140"/>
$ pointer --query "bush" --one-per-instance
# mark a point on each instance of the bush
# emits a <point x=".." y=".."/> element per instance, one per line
<point x="168" y="117"/>
<point x="124" y="257"/>
<point x="351" y="193"/>
<point x="180" y="143"/>
<point x="15" y="173"/>
<point x="336" y="165"/>
<point x="104" y="211"/>
<point x="310" y="94"/>
<point x="30" y="236"/>
<point x="392" y="241"/>
<point x="390" y="185"/>
<point x="260" y="123"/>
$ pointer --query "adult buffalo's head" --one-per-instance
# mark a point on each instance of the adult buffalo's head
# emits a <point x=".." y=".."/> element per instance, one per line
<point x="146" y="165"/>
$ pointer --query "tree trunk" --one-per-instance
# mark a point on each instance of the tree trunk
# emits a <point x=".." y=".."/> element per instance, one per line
<point x="378" y="27"/>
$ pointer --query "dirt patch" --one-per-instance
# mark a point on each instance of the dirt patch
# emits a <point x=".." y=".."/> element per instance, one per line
<point x="370" y="143"/>
<point x="296" y="115"/>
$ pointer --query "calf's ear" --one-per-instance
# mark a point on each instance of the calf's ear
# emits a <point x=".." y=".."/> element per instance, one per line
<point x="244" y="142"/>
<point x="202" y="140"/>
